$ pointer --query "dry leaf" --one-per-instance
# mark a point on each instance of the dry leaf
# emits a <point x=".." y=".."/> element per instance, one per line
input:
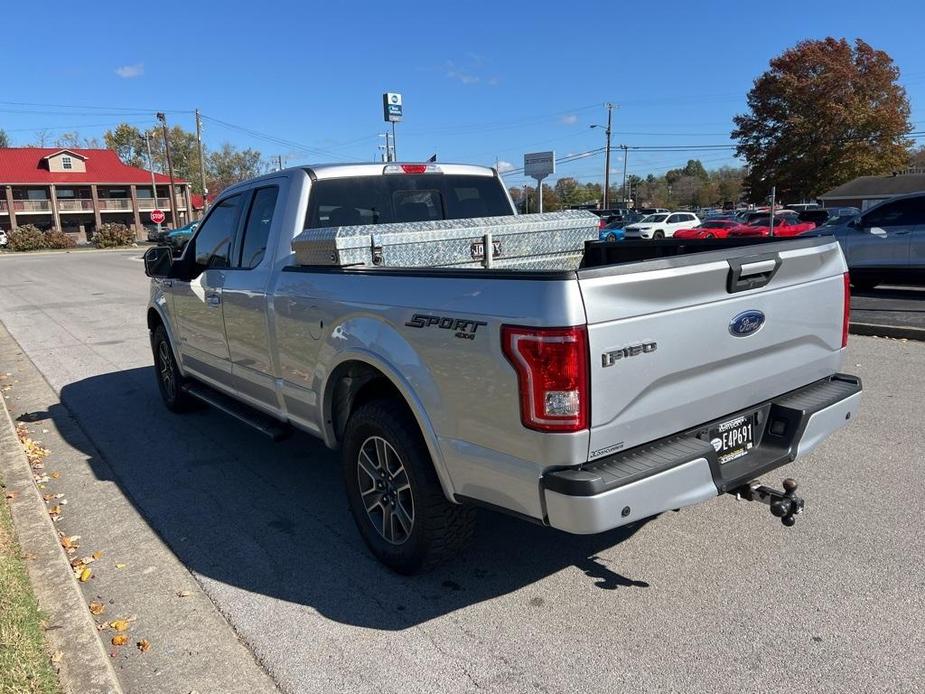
<point x="86" y="574"/>
<point x="119" y="624"/>
<point x="143" y="645"/>
<point x="119" y="640"/>
<point x="10" y="495"/>
<point x="97" y="555"/>
<point x="184" y="594"/>
<point x="57" y="656"/>
<point x="55" y="475"/>
<point x="120" y="566"/>
<point x="55" y="511"/>
<point x="97" y="607"/>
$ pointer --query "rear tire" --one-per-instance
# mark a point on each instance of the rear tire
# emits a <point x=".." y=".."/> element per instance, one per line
<point x="611" y="237"/>
<point x="710" y="236"/>
<point x="170" y="381"/>
<point x="394" y="495"/>
<point x="658" y="235"/>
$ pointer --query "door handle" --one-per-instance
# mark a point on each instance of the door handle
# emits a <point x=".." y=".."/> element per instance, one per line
<point x="213" y="299"/>
<point x="167" y="283"/>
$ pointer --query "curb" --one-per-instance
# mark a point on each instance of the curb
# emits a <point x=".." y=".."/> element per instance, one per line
<point x="84" y="667"/>
<point x="895" y="331"/>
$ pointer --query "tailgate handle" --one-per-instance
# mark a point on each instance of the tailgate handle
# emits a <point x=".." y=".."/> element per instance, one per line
<point x="751" y="273"/>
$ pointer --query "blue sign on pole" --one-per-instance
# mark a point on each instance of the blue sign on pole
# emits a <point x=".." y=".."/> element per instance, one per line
<point x="391" y="107"/>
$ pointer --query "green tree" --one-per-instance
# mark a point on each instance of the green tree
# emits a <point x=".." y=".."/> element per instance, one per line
<point x="822" y="114"/>
<point x="228" y="165"/>
<point x="4" y="139"/>
<point x="128" y="142"/>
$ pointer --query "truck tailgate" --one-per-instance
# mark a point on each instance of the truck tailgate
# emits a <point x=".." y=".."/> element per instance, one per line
<point x="664" y="356"/>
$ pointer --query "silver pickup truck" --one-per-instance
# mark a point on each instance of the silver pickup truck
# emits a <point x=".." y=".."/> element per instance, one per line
<point x="634" y="378"/>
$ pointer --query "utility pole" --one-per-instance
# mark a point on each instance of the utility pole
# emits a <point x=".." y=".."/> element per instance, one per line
<point x="173" y="198"/>
<point x="526" y="200"/>
<point x="771" y="224"/>
<point x="153" y="183"/>
<point x="607" y="157"/>
<point x="202" y="167"/>
<point x="625" y="155"/>
<point x="279" y="162"/>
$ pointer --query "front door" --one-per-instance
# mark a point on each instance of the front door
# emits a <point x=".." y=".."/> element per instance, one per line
<point x="197" y="304"/>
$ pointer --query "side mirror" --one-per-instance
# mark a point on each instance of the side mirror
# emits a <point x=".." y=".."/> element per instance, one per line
<point x="158" y="261"/>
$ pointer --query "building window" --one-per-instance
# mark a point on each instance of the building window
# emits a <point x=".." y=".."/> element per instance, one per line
<point x="65" y="162"/>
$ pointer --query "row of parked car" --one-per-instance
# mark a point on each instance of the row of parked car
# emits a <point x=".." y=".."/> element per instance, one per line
<point x="885" y="243"/>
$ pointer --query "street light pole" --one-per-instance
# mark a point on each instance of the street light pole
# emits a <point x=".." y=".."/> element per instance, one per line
<point x="202" y="167"/>
<point x="771" y="224"/>
<point x="607" y="157"/>
<point x="173" y="200"/>
<point x="625" y="155"/>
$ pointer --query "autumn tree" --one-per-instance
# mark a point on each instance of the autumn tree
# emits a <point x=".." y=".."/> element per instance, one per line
<point x="916" y="159"/>
<point x="822" y="114"/>
<point x="228" y="165"/>
<point x="129" y="143"/>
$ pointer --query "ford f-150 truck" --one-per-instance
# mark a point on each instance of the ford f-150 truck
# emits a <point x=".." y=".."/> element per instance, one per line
<point x="644" y="376"/>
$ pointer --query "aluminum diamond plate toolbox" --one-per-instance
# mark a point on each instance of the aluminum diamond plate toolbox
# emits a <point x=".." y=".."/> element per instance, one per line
<point x="529" y="240"/>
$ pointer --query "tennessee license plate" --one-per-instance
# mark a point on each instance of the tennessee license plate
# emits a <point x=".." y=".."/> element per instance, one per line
<point x="734" y="438"/>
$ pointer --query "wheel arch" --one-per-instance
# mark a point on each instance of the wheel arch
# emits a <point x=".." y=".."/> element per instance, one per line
<point x="358" y="378"/>
<point x="156" y="318"/>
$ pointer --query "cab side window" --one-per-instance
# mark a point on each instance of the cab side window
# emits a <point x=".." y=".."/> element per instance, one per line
<point x="906" y="212"/>
<point x="257" y="229"/>
<point x="213" y="242"/>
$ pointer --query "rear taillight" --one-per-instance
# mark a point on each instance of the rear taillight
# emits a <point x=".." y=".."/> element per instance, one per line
<point x="846" y="311"/>
<point x="601" y="224"/>
<point x="552" y="375"/>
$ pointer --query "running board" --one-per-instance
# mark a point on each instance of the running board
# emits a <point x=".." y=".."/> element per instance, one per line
<point x="266" y="425"/>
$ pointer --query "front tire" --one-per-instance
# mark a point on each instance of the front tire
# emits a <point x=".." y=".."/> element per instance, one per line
<point x="170" y="381"/>
<point x="394" y="495"/>
<point x="658" y="235"/>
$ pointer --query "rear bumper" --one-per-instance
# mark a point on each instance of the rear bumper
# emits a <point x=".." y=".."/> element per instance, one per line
<point x="683" y="469"/>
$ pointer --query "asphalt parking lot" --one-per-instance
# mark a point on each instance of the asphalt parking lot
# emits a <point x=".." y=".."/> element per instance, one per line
<point x="900" y="308"/>
<point x="718" y="597"/>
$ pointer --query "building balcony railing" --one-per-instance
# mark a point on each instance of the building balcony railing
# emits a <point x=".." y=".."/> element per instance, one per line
<point x="148" y="204"/>
<point x="115" y="204"/>
<point x="27" y="206"/>
<point x="75" y="205"/>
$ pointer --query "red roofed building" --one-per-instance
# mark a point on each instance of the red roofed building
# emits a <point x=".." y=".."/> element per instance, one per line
<point x="76" y="190"/>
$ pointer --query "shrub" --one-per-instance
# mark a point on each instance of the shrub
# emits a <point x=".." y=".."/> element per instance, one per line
<point x="27" y="237"/>
<point x="113" y="236"/>
<point x="58" y="239"/>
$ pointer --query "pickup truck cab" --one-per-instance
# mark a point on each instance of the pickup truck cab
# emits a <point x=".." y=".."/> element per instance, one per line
<point x="644" y="377"/>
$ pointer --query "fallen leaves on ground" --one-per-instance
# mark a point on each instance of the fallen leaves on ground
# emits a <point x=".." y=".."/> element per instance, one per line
<point x="120" y="566"/>
<point x="85" y="574"/>
<point x="97" y="608"/>
<point x="70" y="543"/>
<point x="119" y="624"/>
<point x="119" y="640"/>
<point x="143" y="645"/>
<point x="97" y="555"/>
<point x="55" y="475"/>
<point x="183" y="593"/>
<point x="10" y="496"/>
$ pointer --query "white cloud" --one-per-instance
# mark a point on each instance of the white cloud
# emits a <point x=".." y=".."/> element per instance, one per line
<point x="129" y="71"/>
<point x="464" y="76"/>
<point x="504" y="166"/>
<point x="569" y="119"/>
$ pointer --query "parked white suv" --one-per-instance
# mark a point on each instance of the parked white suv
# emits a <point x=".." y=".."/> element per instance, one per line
<point x="3" y="239"/>
<point x="661" y="226"/>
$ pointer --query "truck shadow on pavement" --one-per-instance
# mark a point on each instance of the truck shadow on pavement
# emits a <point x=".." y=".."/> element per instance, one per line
<point x="272" y="519"/>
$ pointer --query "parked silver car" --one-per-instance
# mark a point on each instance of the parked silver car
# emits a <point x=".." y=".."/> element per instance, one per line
<point x="886" y="243"/>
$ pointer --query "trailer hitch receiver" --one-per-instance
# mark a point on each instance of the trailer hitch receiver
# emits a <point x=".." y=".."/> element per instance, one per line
<point x="785" y="504"/>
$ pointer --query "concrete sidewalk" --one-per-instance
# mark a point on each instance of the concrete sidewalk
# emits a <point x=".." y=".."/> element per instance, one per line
<point x="889" y="311"/>
<point x="136" y="576"/>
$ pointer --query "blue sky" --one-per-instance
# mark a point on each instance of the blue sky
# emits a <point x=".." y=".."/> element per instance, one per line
<point x="482" y="81"/>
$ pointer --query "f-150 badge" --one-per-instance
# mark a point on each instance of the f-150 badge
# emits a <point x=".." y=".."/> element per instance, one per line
<point x="613" y="356"/>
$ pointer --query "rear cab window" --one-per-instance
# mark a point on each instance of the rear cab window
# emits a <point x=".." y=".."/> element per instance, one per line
<point x="404" y="198"/>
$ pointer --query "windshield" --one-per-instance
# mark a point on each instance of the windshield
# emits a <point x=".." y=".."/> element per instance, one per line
<point x="713" y="225"/>
<point x="655" y="218"/>
<point x="404" y="198"/>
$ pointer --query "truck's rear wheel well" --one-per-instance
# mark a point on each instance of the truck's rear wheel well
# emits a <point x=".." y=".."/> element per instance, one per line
<point x="154" y="319"/>
<point x="355" y="384"/>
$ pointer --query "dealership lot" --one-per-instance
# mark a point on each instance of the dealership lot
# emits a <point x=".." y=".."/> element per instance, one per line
<point x="719" y="596"/>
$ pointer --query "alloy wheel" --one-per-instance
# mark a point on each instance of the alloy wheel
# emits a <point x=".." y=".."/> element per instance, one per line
<point x="385" y="490"/>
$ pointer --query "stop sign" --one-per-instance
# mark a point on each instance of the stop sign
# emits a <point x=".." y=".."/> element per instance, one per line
<point x="158" y="216"/>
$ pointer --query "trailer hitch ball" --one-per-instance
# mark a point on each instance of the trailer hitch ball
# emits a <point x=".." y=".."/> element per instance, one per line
<point x="783" y="504"/>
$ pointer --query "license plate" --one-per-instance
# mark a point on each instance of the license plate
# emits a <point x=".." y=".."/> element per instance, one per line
<point x="734" y="438"/>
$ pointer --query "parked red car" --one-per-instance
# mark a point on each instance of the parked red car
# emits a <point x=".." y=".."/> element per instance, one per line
<point x="710" y="229"/>
<point x="785" y="224"/>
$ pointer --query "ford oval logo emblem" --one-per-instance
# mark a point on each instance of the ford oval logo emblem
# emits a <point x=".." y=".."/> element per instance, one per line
<point x="746" y="323"/>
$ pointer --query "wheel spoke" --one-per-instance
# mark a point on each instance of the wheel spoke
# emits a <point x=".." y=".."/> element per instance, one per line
<point x="403" y="518"/>
<point x="385" y="490"/>
<point x="367" y="465"/>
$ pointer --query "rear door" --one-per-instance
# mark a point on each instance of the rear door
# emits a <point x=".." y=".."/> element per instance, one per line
<point x="244" y="298"/>
<point x="883" y="236"/>
<point x="665" y="355"/>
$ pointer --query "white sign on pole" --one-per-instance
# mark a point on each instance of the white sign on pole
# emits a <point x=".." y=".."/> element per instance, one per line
<point x="391" y="107"/>
<point x="539" y="165"/>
